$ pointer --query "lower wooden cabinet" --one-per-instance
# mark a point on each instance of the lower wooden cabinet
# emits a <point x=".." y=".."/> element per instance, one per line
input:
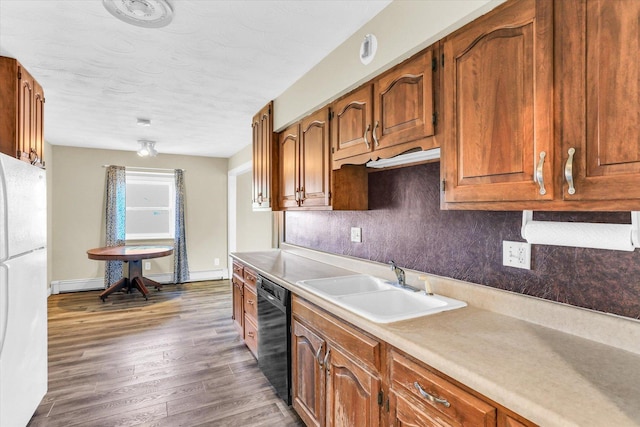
<point x="237" y="315"/>
<point x="352" y="391"/>
<point x="433" y="397"/>
<point x="332" y="386"/>
<point x="342" y="376"/>
<point x="307" y="374"/>
<point x="245" y="305"/>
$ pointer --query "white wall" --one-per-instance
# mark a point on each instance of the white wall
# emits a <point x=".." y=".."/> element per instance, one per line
<point x="402" y="29"/>
<point x="253" y="229"/>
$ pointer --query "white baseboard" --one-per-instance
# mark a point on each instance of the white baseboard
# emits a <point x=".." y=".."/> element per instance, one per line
<point x="79" y="285"/>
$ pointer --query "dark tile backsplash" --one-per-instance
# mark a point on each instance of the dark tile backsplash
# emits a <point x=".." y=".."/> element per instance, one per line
<point x="404" y="223"/>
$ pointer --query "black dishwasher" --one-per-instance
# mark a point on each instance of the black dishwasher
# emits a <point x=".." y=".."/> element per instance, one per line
<point x="274" y="340"/>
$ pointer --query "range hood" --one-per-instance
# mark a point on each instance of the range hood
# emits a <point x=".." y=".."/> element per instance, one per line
<point x="406" y="159"/>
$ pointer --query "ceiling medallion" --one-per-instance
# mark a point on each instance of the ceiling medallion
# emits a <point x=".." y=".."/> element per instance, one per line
<point x="143" y="13"/>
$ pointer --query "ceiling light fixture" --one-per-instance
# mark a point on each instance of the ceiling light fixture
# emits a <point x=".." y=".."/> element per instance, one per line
<point x="147" y="148"/>
<point x="142" y="13"/>
<point x="144" y="122"/>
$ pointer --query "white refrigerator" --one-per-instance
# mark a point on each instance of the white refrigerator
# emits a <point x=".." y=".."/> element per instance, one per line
<point x="23" y="290"/>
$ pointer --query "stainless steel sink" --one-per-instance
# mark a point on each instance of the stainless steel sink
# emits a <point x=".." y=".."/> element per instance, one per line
<point x="377" y="299"/>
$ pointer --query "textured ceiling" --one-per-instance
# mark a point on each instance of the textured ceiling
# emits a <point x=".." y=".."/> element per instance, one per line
<point x="199" y="80"/>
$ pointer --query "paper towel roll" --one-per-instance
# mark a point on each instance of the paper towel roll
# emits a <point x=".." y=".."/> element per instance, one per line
<point x="579" y="235"/>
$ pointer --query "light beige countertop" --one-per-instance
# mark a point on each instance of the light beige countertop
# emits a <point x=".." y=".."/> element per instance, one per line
<point x="536" y="361"/>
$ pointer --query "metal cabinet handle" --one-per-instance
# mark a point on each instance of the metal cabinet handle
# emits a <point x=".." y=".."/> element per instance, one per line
<point x="260" y="199"/>
<point x="366" y="141"/>
<point x="297" y="194"/>
<point x="318" y="356"/>
<point x="568" y="171"/>
<point x="430" y="397"/>
<point x="540" y="174"/>
<point x="303" y="195"/>
<point x="326" y="359"/>
<point x="250" y="302"/>
<point x="375" y="138"/>
<point x="250" y="334"/>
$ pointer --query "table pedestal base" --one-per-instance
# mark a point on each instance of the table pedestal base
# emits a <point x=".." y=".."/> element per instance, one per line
<point x="135" y="281"/>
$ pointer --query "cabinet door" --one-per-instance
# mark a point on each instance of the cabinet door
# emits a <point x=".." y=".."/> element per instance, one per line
<point x="404" y="103"/>
<point x="238" y="305"/>
<point x="498" y="86"/>
<point x="262" y="159"/>
<point x="351" y="126"/>
<point x="314" y="160"/>
<point x="38" y="122"/>
<point x="289" y="167"/>
<point x="26" y="107"/>
<point x="352" y="393"/>
<point x="600" y="75"/>
<point x="308" y="377"/>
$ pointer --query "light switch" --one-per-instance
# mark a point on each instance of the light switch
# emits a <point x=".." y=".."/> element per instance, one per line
<point x="356" y="234"/>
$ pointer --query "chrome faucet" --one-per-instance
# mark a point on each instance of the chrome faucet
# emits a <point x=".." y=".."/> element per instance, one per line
<point x="399" y="274"/>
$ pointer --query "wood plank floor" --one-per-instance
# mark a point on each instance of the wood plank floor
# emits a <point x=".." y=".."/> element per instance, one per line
<point x="174" y="360"/>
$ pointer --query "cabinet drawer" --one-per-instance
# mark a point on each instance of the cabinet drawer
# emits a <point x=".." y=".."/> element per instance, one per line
<point x="251" y="335"/>
<point x="250" y="277"/>
<point x="250" y="304"/>
<point x="462" y="406"/>
<point x="362" y="346"/>
<point x="238" y="268"/>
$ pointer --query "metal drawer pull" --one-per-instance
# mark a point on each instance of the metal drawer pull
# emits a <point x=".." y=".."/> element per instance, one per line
<point x="250" y="302"/>
<point x="375" y="138"/>
<point x="250" y="334"/>
<point x="430" y="397"/>
<point x="539" y="173"/>
<point x="366" y="141"/>
<point x="568" y="171"/>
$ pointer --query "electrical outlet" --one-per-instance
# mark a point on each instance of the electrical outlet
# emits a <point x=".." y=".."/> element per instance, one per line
<point x="516" y="254"/>
<point x="216" y="261"/>
<point x="356" y="234"/>
<point x="147" y="265"/>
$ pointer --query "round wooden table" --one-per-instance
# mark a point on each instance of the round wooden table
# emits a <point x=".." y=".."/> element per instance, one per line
<point x="132" y="254"/>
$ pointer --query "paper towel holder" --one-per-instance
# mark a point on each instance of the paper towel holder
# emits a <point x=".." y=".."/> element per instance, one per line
<point x="633" y="228"/>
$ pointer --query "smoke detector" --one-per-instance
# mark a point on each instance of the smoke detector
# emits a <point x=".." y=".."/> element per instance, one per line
<point x="142" y="13"/>
<point x="368" y="49"/>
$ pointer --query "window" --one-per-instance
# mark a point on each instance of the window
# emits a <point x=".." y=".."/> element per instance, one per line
<point x="150" y="206"/>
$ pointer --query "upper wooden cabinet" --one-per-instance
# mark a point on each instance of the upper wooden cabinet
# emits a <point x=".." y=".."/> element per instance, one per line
<point x="541" y="104"/>
<point x="289" y="160"/>
<point x="404" y="105"/>
<point x="393" y="114"/>
<point x="498" y="87"/>
<point x="351" y="125"/>
<point x="304" y="163"/>
<point x="314" y="189"/>
<point x="265" y="156"/>
<point x="598" y="79"/>
<point x="22" y="113"/>
<point x="305" y="175"/>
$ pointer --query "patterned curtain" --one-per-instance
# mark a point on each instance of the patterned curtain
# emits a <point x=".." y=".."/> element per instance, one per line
<point x="180" y="263"/>
<point x="115" y="216"/>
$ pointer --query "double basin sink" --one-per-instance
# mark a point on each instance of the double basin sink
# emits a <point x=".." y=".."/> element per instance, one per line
<point x="378" y="300"/>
